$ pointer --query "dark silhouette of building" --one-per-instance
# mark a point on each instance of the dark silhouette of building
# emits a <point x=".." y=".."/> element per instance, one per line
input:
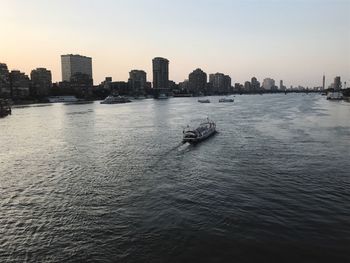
<point x="282" y="87"/>
<point x="137" y="82"/>
<point x="172" y="85"/>
<point x="247" y="86"/>
<point x="323" y="82"/>
<point x="41" y="82"/>
<point x="160" y="73"/>
<point x="183" y="87"/>
<point x="20" y="85"/>
<point x="197" y="81"/>
<point x="221" y="83"/>
<point x="337" y="83"/>
<point x="120" y="87"/>
<point x="255" y="84"/>
<point x="82" y="84"/>
<point x="5" y="89"/>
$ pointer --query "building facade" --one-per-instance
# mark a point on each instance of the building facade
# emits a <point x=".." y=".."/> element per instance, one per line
<point x="197" y="81"/>
<point x="20" y="85"/>
<point x="5" y="89"/>
<point x="41" y="80"/>
<point x="160" y="73"/>
<point x="255" y="84"/>
<point x="220" y="82"/>
<point x="323" y="82"/>
<point x="268" y="84"/>
<point x="73" y="64"/>
<point x="337" y="83"/>
<point x="137" y="82"/>
<point x="282" y="87"/>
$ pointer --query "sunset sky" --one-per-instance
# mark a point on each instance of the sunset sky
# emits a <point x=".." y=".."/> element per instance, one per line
<point x="293" y="40"/>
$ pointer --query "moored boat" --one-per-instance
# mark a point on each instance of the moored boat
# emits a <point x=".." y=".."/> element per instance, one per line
<point x="202" y="132"/>
<point x="334" y="95"/>
<point x="162" y="96"/>
<point x="204" y="101"/>
<point x="115" y="99"/>
<point x="226" y="100"/>
<point x="5" y="108"/>
<point x="56" y="99"/>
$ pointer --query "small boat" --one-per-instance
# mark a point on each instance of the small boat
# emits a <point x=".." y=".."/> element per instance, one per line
<point x="79" y="102"/>
<point x="226" y="100"/>
<point x="115" y="99"/>
<point x="203" y="101"/>
<point x="202" y="132"/>
<point x="5" y="108"/>
<point x="162" y="96"/>
<point x="56" y="99"/>
<point x="335" y="95"/>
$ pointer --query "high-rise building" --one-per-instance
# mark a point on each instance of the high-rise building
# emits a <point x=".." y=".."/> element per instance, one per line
<point x="247" y="86"/>
<point x="282" y="87"/>
<point x="337" y="83"/>
<point x="137" y="81"/>
<point x="268" y="84"/>
<point x="5" y="89"/>
<point x="197" y="81"/>
<point x="41" y="81"/>
<point x="20" y="84"/>
<point x="160" y="73"/>
<point x="255" y="84"/>
<point x="73" y="64"/>
<point x="323" y="82"/>
<point x="221" y="83"/>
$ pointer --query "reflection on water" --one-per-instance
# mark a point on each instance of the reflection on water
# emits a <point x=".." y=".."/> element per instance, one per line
<point x="114" y="182"/>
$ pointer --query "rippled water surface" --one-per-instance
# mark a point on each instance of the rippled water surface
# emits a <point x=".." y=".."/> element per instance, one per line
<point x="113" y="183"/>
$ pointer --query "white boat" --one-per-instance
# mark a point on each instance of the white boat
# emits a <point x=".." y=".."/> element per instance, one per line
<point x="115" y="99"/>
<point x="202" y="132"/>
<point x="335" y="95"/>
<point x="204" y="101"/>
<point x="55" y="99"/>
<point x="226" y="100"/>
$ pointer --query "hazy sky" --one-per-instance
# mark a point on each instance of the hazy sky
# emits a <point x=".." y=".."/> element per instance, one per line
<point x="293" y="40"/>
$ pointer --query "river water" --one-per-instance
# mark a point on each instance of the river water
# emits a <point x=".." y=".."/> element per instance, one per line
<point x="113" y="183"/>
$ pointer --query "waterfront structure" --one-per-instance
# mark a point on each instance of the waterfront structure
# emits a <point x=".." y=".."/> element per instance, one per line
<point x="120" y="87"/>
<point x="172" y="85"/>
<point x="41" y="80"/>
<point x="268" y="84"/>
<point x="221" y="83"/>
<point x="20" y="85"/>
<point x="282" y="87"/>
<point x="197" y="81"/>
<point x="255" y="84"/>
<point x="137" y="82"/>
<point x="73" y="64"/>
<point x="337" y="83"/>
<point x="183" y="87"/>
<point x="160" y="73"/>
<point x="81" y="84"/>
<point x="5" y="89"/>
<point x="247" y="86"/>
<point x="323" y="82"/>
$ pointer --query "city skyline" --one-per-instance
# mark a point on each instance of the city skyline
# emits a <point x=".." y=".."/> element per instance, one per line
<point x="296" y="41"/>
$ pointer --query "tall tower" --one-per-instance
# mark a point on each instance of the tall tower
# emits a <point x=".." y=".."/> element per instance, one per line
<point x="73" y="64"/>
<point x="323" y="82"/>
<point x="160" y="73"/>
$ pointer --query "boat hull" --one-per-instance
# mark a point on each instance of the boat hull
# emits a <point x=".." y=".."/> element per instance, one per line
<point x="199" y="139"/>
